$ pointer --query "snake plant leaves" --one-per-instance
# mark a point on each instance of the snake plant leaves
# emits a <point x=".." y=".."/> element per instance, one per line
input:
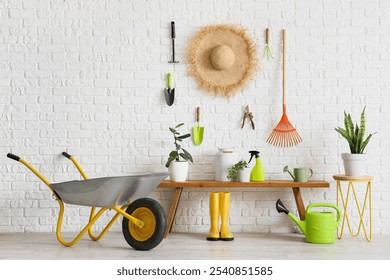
<point x="362" y="130"/>
<point x="355" y="134"/>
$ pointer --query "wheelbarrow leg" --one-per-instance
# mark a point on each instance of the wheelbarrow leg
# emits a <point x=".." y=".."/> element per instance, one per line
<point x="81" y="234"/>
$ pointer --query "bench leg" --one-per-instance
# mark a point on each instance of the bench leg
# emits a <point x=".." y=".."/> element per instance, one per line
<point x="173" y="209"/>
<point x="299" y="202"/>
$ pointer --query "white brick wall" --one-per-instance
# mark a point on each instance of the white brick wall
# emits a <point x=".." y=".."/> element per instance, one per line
<point x="87" y="77"/>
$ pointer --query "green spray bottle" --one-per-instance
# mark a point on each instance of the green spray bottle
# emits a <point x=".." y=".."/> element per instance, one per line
<point x="257" y="173"/>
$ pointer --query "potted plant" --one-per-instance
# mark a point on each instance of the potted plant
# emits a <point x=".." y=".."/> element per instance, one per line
<point x="240" y="171"/>
<point x="177" y="168"/>
<point x="355" y="162"/>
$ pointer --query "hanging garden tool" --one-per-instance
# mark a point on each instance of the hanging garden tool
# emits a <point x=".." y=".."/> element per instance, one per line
<point x="284" y="134"/>
<point x="169" y="92"/>
<point x="197" y="131"/>
<point x="248" y="114"/>
<point x="173" y="36"/>
<point x="267" y="49"/>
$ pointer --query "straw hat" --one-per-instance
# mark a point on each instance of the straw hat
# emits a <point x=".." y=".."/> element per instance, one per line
<point x="222" y="59"/>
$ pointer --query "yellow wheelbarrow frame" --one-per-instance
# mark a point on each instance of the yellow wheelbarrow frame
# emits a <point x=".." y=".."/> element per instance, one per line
<point x="135" y="227"/>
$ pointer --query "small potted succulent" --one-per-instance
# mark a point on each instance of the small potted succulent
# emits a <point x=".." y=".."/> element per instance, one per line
<point x="355" y="162"/>
<point x="239" y="172"/>
<point x="177" y="162"/>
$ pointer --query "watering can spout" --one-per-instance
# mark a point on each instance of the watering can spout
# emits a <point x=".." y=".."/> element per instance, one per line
<point x="281" y="208"/>
<point x="285" y="169"/>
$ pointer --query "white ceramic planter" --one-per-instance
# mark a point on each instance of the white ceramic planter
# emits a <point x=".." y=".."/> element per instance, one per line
<point x="354" y="164"/>
<point x="244" y="175"/>
<point x="178" y="171"/>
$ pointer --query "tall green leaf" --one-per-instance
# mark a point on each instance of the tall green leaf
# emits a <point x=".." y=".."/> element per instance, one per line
<point x="348" y="125"/>
<point x="344" y="133"/>
<point x="366" y="142"/>
<point x="362" y="131"/>
<point x="356" y="143"/>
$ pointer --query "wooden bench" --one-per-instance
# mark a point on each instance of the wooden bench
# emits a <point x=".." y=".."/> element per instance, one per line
<point x="179" y="186"/>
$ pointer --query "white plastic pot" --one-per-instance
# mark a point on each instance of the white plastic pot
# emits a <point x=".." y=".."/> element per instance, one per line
<point x="244" y="175"/>
<point x="354" y="164"/>
<point x="178" y="171"/>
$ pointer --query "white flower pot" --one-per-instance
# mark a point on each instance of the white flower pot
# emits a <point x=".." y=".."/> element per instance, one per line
<point x="244" y="175"/>
<point x="178" y="171"/>
<point x="354" y="164"/>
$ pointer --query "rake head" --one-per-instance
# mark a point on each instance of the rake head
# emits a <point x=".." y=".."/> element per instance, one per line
<point x="284" y="134"/>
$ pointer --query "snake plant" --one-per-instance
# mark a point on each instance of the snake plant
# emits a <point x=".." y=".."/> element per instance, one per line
<point x="355" y="134"/>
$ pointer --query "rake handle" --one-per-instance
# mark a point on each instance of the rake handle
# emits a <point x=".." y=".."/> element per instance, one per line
<point x="284" y="69"/>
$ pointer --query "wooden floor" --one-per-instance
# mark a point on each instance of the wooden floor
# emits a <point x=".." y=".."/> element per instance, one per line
<point x="187" y="246"/>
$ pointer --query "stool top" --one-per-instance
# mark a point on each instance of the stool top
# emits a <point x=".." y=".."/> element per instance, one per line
<point x="340" y="177"/>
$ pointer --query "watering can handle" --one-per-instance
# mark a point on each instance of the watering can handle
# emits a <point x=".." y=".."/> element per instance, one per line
<point x="311" y="173"/>
<point x="326" y="205"/>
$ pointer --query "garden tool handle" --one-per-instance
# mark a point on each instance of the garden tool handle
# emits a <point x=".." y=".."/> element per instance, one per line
<point x="251" y="119"/>
<point x="284" y="68"/>
<point x="12" y="156"/>
<point x="173" y="35"/>
<point x="65" y="154"/>
<point x="326" y="205"/>
<point x="198" y="114"/>
<point x="311" y="173"/>
<point x="266" y="35"/>
<point x="169" y="78"/>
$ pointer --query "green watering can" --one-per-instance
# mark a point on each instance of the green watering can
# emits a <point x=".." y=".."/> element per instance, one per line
<point x="319" y="227"/>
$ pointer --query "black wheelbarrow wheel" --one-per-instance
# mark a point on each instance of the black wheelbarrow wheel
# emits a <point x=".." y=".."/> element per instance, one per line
<point x="152" y="233"/>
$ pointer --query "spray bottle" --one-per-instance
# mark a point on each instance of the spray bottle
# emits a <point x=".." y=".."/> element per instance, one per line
<point x="257" y="173"/>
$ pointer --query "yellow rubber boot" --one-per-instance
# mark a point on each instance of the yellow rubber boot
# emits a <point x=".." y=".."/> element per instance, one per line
<point x="224" y="207"/>
<point x="214" y="217"/>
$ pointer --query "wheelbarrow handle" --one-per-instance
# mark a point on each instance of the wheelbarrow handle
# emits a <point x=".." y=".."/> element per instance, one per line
<point x="65" y="154"/>
<point x="12" y="156"/>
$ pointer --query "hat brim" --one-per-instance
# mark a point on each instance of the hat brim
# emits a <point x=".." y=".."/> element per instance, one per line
<point x="222" y="82"/>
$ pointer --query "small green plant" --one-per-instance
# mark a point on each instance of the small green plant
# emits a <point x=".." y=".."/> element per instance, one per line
<point x="233" y="171"/>
<point x="355" y="134"/>
<point x="179" y="151"/>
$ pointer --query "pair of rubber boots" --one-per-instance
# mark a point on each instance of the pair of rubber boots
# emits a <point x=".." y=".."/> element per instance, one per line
<point x="219" y="207"/>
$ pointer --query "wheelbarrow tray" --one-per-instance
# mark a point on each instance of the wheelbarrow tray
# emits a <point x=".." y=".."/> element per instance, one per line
<point x="108" y="191"/>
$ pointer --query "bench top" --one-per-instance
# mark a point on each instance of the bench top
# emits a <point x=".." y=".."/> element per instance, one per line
<point x="264" y="184"/>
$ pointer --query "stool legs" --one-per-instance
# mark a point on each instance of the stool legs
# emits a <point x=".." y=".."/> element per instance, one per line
<point x="360" y="210"/>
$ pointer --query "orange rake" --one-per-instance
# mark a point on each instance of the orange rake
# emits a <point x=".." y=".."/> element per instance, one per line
<point x="284" y="134"/>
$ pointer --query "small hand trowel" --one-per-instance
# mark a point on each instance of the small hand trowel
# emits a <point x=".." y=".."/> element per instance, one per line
<point x="197" y="131"/>
<point x="169" y="92"/>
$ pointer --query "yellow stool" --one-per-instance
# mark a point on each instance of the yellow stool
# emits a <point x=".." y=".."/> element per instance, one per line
<point x="351" y="180"/>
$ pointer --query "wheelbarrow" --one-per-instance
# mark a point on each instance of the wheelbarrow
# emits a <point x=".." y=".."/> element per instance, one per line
<point x="144" y="221"/>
